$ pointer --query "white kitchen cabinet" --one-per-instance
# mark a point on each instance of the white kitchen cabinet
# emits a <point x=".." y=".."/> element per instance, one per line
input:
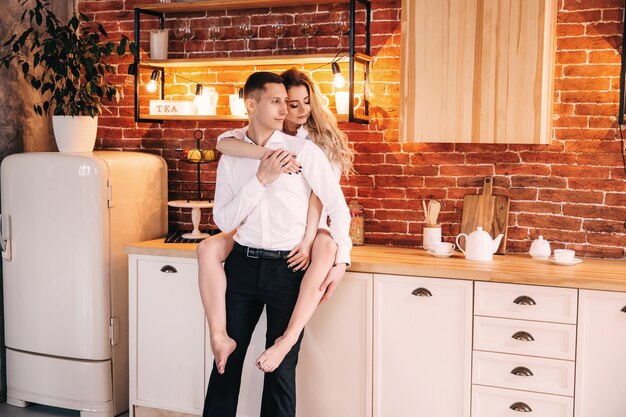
<point x="167" y="331"/>
<point x="422" y="346"/>
<point x="601" y="356"/>
<point x="334" y="375"/>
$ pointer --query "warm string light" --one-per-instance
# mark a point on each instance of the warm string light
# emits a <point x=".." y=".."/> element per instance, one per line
<point x="198" y="94"/>
<point x="151" y="87"/>
<point x="338" y="80"/>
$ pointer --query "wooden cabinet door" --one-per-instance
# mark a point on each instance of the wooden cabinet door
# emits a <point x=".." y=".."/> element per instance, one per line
<point x="334" y="376"/>
<point x="170" y="331"/>
<point x="601" y="355"/>
<point x="477" y="71"/>
<point x="423" y="347"/>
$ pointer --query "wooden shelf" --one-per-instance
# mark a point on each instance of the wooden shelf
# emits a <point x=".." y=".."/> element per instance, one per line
<point x="220" y="117"/>
<point x="201" y="6"/>
<point x="243" y="61"/>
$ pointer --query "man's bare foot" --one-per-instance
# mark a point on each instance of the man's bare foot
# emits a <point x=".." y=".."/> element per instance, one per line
<point x="222" y="346"/>
<point x="274" y="355"/>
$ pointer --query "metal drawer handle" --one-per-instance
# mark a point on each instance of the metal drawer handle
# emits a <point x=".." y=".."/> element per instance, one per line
<point x="169" y="269"/>
<point x="524" y="300"/>
<point x="422" y="292"/>
<point x="522" y="371"/>
<point x="523" y="336"/>
<point x="521" y="407"/>
<point x="624" y="309"/>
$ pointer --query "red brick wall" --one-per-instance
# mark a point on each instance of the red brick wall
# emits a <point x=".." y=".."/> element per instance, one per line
<point x="572" y="191"/>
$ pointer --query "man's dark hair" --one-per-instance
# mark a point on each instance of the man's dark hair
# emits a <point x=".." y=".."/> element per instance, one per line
<point x="255" y="83"/>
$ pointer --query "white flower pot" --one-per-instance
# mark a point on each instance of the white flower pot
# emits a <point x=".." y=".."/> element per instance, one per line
<point x="75" y="133"/>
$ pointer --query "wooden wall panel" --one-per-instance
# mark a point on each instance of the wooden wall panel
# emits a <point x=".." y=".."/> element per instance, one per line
<point x="477" y="70"/>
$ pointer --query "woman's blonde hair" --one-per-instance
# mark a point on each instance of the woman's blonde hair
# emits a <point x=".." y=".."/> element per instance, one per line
<point x="321" y="124"/>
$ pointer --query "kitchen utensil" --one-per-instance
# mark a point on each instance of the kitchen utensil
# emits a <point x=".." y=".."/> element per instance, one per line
<point x="479" y="246"/>
<point x="434" y="207"/>
<point x="425" y="210"/>
<point x="489" y="211"/>
<point x="540" y="248"/>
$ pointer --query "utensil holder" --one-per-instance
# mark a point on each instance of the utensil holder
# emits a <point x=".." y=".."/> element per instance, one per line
<point x="432" y="235"/>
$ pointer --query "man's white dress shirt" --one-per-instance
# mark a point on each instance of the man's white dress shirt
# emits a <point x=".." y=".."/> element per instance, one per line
<point x="302" y="133"/>
<point x="274" y="217"/>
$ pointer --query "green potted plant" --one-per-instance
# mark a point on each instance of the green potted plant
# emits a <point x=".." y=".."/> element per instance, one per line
<point x="66" y="64"/>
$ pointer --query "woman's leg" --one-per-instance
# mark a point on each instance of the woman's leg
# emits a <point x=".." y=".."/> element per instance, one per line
<point x="212" y="252"/>
<point x="322" y="259"/>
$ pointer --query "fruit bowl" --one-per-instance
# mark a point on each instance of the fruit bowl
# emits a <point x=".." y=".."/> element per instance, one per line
<point x="197" y="156"/>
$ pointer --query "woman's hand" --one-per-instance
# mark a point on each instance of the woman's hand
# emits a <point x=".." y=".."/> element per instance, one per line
<point x="334" y="277"/>
<point x="300" y="257"/>
<point x="291" y="166"/>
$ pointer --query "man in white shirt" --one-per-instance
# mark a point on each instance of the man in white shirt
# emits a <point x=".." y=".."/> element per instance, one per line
<point x="268" y="209"/>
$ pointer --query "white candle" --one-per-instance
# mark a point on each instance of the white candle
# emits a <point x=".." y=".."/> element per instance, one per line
<point x="158" y="44"/>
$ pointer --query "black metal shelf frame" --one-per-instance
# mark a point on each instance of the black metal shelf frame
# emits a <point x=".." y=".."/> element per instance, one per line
<point x="354" y="59"/>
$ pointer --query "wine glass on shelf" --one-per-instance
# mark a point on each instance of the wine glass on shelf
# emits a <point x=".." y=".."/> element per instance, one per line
<point x="277" y="29"/>
<point x="339" y="22"/>
<point x="215" y="30"/>
<point x="245" y="30"/>
<point x="182" y="30"/>
<point x="306" y="27"/>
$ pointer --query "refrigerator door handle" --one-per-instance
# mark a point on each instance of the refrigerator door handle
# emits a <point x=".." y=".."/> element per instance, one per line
<point x="5" y="237"/>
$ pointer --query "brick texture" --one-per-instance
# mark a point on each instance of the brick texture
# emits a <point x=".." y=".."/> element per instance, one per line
<point x="572" y="191"/>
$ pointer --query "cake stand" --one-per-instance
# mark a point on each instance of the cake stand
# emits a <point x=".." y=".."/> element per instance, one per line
<point x="195" y="207"/>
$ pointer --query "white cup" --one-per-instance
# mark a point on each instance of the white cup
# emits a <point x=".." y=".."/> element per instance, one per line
<point x="342" y="101"/>
<point x="564" y="255"/>
<point x="443" y="248"/>
<point x="237" y="105"/>
<point x="158" y="43"/>
<point x="432" y="236"/>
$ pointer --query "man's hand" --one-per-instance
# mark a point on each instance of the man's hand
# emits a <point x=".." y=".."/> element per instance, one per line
<point x="334" y="277"/>
<point x="273" y="164"/>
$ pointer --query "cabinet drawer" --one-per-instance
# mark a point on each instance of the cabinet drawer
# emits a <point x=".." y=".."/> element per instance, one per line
<point x="496" y="402"/>
<point x="526" y="302"/>
<point x="549" y="376"/>
<point x="532" y="338"/>
<point x="167" y="269"/>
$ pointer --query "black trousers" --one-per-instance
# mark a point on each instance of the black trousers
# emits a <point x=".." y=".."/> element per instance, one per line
<point x="253" y="283"/>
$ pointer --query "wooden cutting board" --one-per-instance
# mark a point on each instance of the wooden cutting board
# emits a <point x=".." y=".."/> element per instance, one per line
<point x="486" y="210"/>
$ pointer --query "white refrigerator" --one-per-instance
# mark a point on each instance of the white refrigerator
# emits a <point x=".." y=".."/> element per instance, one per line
<point x="65" y="221"/>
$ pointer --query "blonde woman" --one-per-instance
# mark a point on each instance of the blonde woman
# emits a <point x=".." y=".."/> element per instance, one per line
<point x="307" y="117"/>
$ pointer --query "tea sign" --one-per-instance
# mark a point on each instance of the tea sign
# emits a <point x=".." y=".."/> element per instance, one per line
<point x="172" y="107"/>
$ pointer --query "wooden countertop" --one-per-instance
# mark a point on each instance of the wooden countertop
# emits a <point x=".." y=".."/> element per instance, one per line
<point x="512" y="268"/>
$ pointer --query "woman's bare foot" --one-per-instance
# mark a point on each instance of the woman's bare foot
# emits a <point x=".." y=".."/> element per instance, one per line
<point x="222" y="346"/>
<point x="274" y="355"/>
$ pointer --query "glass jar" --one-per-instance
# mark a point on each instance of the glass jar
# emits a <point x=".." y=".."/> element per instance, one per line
<point x="357" y="223"/>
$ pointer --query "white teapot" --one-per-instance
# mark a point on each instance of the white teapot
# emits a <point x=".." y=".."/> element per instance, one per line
<point x="540" y="248"/>
<point x="478" y="245"/>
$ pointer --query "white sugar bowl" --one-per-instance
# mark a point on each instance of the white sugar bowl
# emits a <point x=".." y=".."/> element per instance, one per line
<point x="540" y="248"/>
